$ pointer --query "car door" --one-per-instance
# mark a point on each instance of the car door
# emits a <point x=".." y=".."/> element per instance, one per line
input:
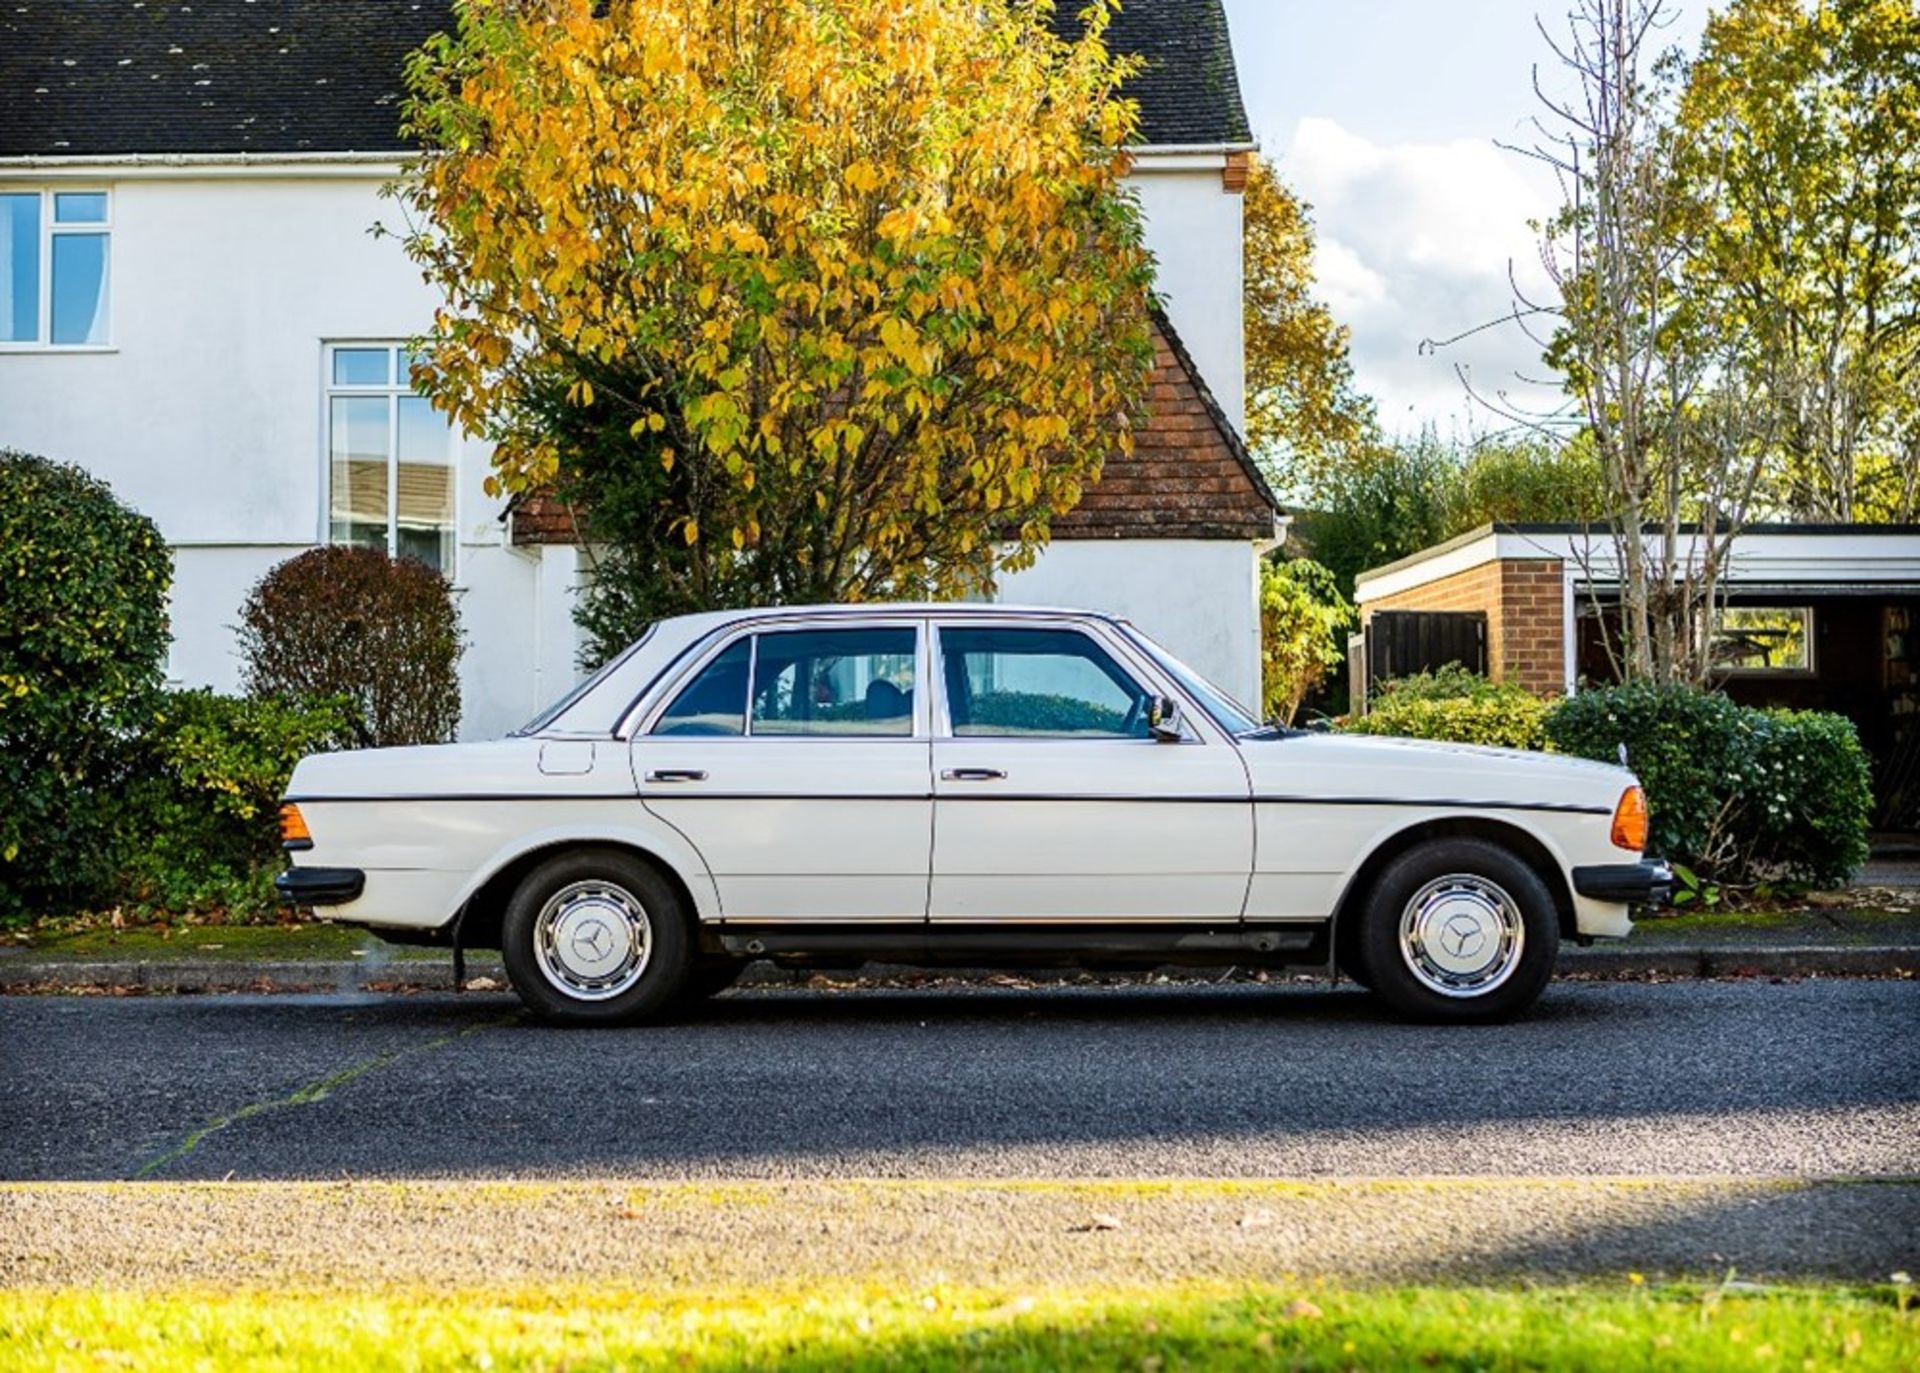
<point x="1052" y="800"/>
<point x="796" y="759"/>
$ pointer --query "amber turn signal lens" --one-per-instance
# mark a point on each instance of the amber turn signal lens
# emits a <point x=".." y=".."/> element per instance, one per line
<point x="1630" y="820"/>
<point x="293" y="828"/>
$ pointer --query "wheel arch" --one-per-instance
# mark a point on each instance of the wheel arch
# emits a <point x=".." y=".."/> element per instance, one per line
<point x="481" y="912"/>
<point x="1528" y="846"/>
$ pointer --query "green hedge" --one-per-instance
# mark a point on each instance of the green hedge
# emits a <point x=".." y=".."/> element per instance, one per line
<point x="83" y="634"/>
<point x="1739" y="795"/>
<point x="1456" y="706"/>
<point x="198" y="826"/>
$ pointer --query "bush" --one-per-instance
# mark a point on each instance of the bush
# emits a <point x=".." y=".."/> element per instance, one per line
<point x="198" y="825"/>
<point x="1737" y="794"/>
<point x="383" y="632"/>
<point x="1456" y="706"/>
<point x="1303" y="624"/>
<point x="1809" y="797"/>
<point x="1451" y="682"/>
<point x="83" y="634"/>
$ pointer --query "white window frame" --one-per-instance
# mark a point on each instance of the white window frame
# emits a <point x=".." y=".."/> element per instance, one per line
<point x="43" y="342"/>
<point x="395" y="388"/>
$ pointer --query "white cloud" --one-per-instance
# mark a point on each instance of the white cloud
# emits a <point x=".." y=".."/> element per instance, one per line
<point x="1415" y="242"/>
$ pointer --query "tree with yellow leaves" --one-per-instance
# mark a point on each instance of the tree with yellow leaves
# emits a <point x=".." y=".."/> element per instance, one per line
<point x="1303" y="415"/>
<point x="839" y="299"/>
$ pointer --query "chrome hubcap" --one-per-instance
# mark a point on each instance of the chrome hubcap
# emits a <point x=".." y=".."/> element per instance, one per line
<point x="592" y="940"/>
<point x="1461" y="935"/>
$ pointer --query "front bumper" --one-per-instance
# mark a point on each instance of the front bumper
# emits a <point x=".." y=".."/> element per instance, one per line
<point x="1636" y="884"/>
<point x="320" y="886"/>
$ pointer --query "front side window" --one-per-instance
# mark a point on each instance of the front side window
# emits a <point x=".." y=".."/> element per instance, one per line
<point x="390" y="470"/>
<point x="54" y="264"/>
<point x="1038" y="682"/>
<point x="843" y="682"/>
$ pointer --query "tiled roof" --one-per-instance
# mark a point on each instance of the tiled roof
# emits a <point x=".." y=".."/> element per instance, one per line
<point x="206" y="76"/>
<point x="1189" y="475"/>
<point x="80" y="77"/>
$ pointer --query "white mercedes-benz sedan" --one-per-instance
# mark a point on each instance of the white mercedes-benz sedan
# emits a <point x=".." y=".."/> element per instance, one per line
<point x="959" y="784"/>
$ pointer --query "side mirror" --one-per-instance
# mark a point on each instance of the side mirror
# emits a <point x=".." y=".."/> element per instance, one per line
<point x="1163" y="719"/>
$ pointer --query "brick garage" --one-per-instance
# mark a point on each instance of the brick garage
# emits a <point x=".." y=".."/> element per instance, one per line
<point x="1524" y="601"/>
<point x="1852" y="591"/>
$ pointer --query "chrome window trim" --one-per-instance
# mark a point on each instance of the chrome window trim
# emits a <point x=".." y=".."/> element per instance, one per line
<point x="645" y="714"/>
<point x="929" y="715"/>
<point x="1196" y="723"/>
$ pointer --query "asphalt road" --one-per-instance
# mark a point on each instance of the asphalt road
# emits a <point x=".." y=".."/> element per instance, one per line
<point x="1804" y="1079"/>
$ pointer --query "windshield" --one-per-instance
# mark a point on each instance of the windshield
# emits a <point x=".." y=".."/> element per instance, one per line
<point x="1228" y="713"/>
<point x="566" y="702"/>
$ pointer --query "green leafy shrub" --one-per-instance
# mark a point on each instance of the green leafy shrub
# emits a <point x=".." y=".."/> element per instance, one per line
<point x="1450" y="682"/>
<point x="199" y="822"/>
<point x="1509" y="722"/>
<point x="1738" y="795"/>
<point x="1456" y="706"/>
<point x="343" y="621"/>
<point x="83" y="635"/>
<point x="1808" y="799"/>
<point x="1303" y="624"/>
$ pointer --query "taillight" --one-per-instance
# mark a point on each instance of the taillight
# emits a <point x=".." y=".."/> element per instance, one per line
<point x="293" y="828"/>
<point x="1630" y="820"/>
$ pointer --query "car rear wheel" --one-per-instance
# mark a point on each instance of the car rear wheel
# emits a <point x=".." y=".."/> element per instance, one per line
<point x="596" y="937"/>
<point x="1459" y="930"/>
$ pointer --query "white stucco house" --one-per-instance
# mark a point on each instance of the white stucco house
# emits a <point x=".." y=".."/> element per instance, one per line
<point x="193" y="307"/>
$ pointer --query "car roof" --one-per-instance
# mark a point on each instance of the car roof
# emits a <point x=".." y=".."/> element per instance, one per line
<point x="707" y="620"/>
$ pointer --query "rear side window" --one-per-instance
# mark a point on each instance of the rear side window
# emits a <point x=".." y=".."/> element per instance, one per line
<point x="834" y="682"/>
<point x="1041" y="682"/>
<point x="845" y="682"/>
<point x="715" y="702"/>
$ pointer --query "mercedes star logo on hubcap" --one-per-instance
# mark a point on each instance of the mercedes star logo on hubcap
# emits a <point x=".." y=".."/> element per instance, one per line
<point x="590" y="941"/>
<point x="1463" y="936"/>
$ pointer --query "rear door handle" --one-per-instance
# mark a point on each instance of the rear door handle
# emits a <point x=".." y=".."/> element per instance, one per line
<point x="973" y="775"/>
<point x="677" y="775"/>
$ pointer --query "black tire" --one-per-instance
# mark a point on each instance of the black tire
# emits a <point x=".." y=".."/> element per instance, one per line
<point x="1485" y="894"/>
<point x="622" y="894"/>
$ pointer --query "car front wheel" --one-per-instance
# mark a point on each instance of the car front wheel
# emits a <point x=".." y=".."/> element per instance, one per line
<point x="596" y="937"/>
<point x="1459" y="930"/>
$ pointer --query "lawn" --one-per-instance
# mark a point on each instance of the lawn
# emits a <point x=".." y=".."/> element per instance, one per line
<point x="1624" y="1325"/>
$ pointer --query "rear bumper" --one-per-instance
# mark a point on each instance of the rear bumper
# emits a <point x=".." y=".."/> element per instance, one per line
<point x="320" y="886"/>
<point x="1636" y="884"/>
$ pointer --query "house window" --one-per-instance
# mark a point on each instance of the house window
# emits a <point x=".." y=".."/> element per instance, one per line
<point x="54" y="268"/>
<point x="390" y="457"/>
<point x="1755" y="638"/>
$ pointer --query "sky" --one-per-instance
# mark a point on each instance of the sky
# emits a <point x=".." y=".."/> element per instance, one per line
<point x="1386" y="116"/>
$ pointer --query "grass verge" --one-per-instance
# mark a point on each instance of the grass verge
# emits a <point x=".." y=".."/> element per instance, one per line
<point x="1182" y="1325"/>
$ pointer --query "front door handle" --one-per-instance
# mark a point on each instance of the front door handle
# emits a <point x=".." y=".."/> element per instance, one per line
<point x="973" y="775"/>
<point x="677" y="775"/>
